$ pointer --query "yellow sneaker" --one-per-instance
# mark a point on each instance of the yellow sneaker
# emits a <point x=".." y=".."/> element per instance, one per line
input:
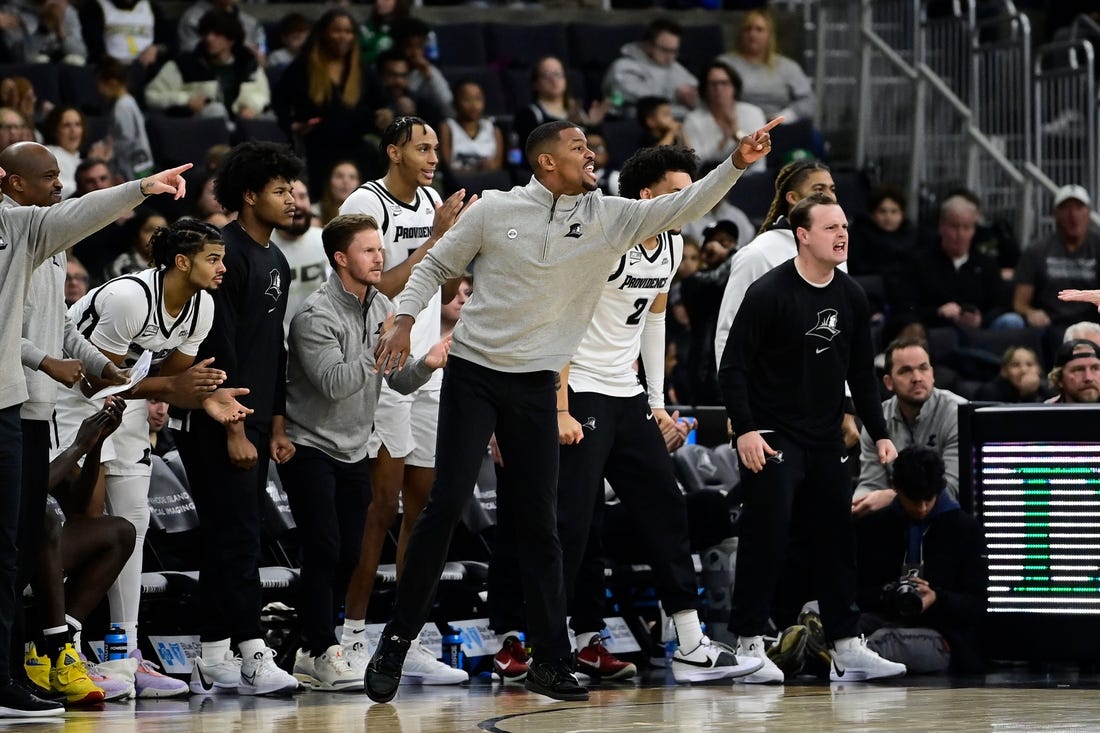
<point x="38" y="668"/>
<point x="70" y="677"/>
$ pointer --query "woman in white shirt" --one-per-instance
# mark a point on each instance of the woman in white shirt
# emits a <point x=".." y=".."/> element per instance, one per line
<point x="715" y="128"/>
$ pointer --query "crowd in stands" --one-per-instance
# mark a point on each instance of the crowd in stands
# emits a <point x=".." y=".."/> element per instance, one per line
<point x="385" y="120"/>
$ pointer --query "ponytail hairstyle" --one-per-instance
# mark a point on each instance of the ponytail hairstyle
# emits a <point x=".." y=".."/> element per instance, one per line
<point x="790" y="177"/>
<point x="185" y="237"/>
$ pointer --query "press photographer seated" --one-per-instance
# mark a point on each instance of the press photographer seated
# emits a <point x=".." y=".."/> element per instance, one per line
<point x="921" y="573"/>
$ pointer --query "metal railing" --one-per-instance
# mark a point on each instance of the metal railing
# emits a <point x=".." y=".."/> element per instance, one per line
<point x="957" y="99"/>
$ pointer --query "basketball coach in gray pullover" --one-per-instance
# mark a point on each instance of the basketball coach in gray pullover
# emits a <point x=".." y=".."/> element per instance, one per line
<point x="29" y="235"/>
<point x="540" y="254"/>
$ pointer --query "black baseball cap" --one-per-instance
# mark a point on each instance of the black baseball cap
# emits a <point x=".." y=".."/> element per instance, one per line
<point x="1075" y="349"/>
<point x="722" y="225"/>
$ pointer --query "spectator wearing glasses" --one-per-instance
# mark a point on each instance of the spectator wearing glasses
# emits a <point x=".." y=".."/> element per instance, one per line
<point x="552" y="99"/>
<point x="13" y="128"/>
<point x="714" y="129"/>
<point x="649" y="68"/>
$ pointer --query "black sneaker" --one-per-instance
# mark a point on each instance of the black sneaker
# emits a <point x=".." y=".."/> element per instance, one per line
<point x="555" y="680"/>
<point x="818" y="660"/>
<point x="789" y="650"/>
<point x="383" y="673"/>
<point x="17" y="701"/>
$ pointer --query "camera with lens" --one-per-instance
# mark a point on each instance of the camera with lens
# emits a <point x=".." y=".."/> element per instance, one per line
<point x="903" y="597"/>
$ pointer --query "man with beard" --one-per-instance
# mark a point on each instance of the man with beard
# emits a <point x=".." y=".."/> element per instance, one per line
<point x="1076" y="373"/>
<point x="917" y="414"/>
<point x="48" y="334"/>
<point x="301" y="244"/>
<point x="411" y="219"/>
<point x="542" y="251"/>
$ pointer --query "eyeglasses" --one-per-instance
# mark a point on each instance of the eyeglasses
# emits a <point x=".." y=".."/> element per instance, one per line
<point x="76" y="278"/>
<point x="671" y="50"/>
<point x="598" y="148"/>
<point x="719" y="83"/>
<point x="551" y="75"/>
<point x="10" y="126"/>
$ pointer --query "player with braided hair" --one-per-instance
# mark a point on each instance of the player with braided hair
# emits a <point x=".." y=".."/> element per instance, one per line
<point x="166" y="311"/>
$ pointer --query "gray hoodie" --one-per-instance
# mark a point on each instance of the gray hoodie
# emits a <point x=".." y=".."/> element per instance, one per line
<point x="332" y="388"/>
<point x="29" y="235"/>
<point x="937" y="427"/>
<point x="48" y="331"/>
<point x="540" y="265"/>
<point x="635" y="75"/>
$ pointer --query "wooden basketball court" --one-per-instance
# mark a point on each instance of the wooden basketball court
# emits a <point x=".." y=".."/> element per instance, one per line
<point x="1005" y="702"/>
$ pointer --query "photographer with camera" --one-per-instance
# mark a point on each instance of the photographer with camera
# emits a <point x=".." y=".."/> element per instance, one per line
<point x="921" y="573"/>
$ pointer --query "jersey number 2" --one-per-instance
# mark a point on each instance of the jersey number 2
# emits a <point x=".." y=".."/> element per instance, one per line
<point x="639" y="308"/>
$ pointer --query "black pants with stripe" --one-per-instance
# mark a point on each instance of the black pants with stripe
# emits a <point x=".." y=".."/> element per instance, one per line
<point x="475" y="402"/>
<point x="622" y="443"/>
<point x="811" y="489"/>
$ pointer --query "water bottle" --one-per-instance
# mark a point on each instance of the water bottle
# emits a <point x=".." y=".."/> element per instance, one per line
<point x="431" y="47"/>
<point x="668" y="636"/>
<point x="453" y="655"/>
<point x="115" y="643"/>
<point x="515" y="152"/>
<point x="692" y="423"/>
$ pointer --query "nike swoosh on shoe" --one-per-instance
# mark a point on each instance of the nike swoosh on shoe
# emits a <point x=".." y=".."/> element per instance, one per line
<point x="207" y="686"/>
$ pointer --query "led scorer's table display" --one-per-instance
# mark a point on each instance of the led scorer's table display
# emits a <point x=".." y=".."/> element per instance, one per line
<point x="1039" y="504"/>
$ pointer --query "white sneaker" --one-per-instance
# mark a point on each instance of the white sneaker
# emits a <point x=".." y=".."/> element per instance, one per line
<point x="303" y="668"/>
<point x="117" y="682"/>
<point x="261" y="676"/>
<point x="420" y="666"/>
<point x="853" y="661"/>
<point x="330" y="671"/>
<point x="216" y="678"/>
<point x="711" y="660"/>
<point x="769" y="673"/>
<point x="357" y="655"/>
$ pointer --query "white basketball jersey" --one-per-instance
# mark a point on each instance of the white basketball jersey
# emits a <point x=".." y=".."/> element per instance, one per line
<point x="127" y="316"/>
<point x="604" y="361"/>
<point x="404" y="228"/>
<point x="126" y="33"/>
<point x="309" y="268"/>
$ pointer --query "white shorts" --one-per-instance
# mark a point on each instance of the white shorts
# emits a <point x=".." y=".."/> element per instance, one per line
<point x="125" y="452"/>
<point x="406" y="425"/>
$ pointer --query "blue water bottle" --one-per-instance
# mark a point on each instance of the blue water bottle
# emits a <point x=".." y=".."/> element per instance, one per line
<point x="115" y="643"/>
<point x="431" y="47"/>
<point x="453" y="655"/>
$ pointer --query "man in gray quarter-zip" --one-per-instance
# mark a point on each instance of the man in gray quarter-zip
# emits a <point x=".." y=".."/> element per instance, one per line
<point x="33" y="179"/>
<point x="331" y="401"/>
<point x="541" y="254"/>
<point x="29" y="235"/>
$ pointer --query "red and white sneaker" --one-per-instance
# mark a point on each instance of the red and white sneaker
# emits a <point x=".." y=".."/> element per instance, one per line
<point x="595" y="660"/>
<point x="511" y="662"/>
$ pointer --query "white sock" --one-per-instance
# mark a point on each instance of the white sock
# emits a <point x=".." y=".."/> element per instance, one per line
<point x="77" y="627"/>
<point x="131" y="629"/>
<point x="213" y="652"/>
<point x="354" y="631"/>
<point x="250" y="647"/>
<point x="688" y="631"/>
<point x="584" y="638"/>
